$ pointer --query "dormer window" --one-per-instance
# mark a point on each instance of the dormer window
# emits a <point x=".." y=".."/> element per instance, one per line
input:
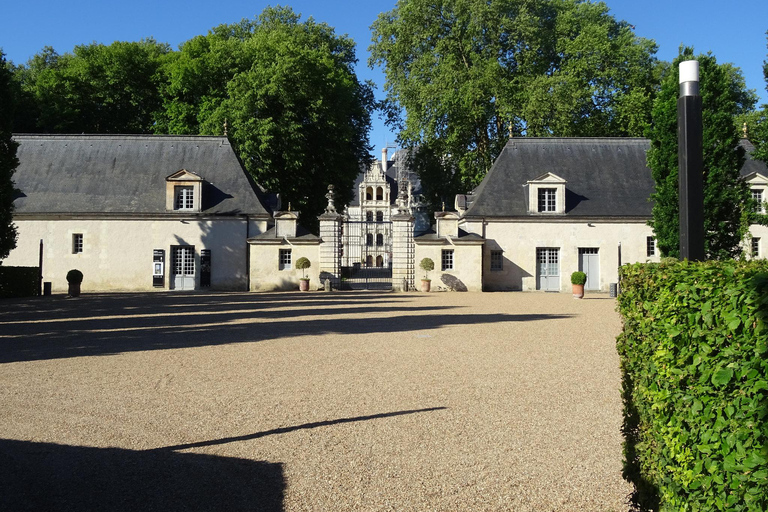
<point x="546" y="194"/>
<point x="547" y="200"/>
<point x="757" y="196"/>
<point x="185" y="198"/>
<point x="183" y="192"/>
<point x="379" y="194"/>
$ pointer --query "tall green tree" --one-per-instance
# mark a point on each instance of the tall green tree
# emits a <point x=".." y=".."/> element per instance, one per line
<point x="94" y="89"/>
<point x="759" y="128"/>
<point x="462" y="75"/>
<point x="295" y="108"/>
<point x="726" y="195"/>
<point x="8" y="161"/>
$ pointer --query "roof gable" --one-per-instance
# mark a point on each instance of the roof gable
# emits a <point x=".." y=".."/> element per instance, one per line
<point x="183" y="175"/>
<point x="548" y="178"/>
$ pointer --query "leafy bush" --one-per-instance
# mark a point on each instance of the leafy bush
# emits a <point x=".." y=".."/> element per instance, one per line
<point x="578" y="277"/>
<point x="19" y="281"/>
<point x="74" y="276"/>
<point x="427" y="265"/>
<point x="694" y="354"/>
<point x="303" y="264"/>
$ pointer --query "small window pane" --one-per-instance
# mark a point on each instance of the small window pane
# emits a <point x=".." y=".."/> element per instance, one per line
<point x="497" y="260"/>
<point x="285" y="259"/>
<point x="447" y="259"/>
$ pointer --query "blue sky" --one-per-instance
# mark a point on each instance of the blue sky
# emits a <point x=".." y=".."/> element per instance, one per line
<point x="734" y="31"/>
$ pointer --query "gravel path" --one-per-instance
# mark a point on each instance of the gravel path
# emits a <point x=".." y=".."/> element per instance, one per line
<point x="327" y="402"/>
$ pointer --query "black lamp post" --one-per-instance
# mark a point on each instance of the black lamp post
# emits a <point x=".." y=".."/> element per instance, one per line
<point x="690" y="163"/>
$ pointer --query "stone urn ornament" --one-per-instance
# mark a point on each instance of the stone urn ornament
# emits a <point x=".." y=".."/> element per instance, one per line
<point x="578" y="280"/>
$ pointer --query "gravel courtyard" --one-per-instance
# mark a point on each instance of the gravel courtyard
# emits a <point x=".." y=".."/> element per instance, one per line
<point x="315" y="401"/>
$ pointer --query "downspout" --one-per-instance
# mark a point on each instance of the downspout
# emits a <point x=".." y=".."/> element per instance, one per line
<point x="247" y="254"/>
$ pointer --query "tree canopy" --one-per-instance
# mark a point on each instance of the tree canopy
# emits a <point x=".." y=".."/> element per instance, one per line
<point x="726" y="195"/>
<point x="8" y="161"/>
<point x="462" y="75"/>
<point x="297" y="113"/>
<point x="95" y="89"/>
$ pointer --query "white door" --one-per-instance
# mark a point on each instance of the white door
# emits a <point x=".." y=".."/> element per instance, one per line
<point x="548" y="269"/>
<point x="589" y="263"/>
<point x="183" y="277"/>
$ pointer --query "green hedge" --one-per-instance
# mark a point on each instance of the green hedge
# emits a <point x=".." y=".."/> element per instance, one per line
<point x="694" y="354"/>
<point x="18" y="281"/>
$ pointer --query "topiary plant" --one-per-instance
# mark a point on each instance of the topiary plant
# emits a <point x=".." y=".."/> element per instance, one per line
<point x="74" y="276"/>
<point x="426" y="265"/>
<point x="578" y="277"/>
<point x="303" y="264"/>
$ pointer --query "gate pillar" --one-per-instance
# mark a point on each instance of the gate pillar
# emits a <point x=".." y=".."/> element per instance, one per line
<point x="402" y="252"/>
<point x="330" y="243"/>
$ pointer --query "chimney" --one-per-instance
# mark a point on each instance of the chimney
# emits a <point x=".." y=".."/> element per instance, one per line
<point x="384" y="160"/>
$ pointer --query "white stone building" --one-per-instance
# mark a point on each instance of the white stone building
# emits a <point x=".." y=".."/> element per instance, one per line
<point x="136" y="212"/>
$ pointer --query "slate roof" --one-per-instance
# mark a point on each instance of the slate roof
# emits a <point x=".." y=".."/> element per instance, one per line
<point x="606" y="177"/>
<point x="750" y="164"/>
<point x="125" y="174"/>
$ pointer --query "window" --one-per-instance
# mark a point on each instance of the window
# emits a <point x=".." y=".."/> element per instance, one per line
<point x="379" y="216"/>
<point x="285" y="259"/>
<point x="379" y="193"/>
<point x="497" y="261"/>
<point x="369" y="239"/>
<point x="757" y="195"/>
<point x="755" y="247"/>
<point x="368" y="216"/>
<point x="369" y="193"/>
<point x="447" y="259"/>
<point x="379" y="239"/>
<point x="650" y="246"/>
<point x="547" y="201"/>
<point x="184" y="198"/>
<point x="77" y="243"/>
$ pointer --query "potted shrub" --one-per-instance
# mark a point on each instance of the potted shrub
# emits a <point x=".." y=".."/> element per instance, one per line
<point x="578" y="279"/>
<point x="426" y="265"/>
<point x="303" y="264"/>
<point x="74" y="278"/>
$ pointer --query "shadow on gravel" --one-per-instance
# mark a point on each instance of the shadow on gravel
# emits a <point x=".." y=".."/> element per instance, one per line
<point x="112" y="324"/>
<point x="305" y="426"/>
<point x="43" y="476"/>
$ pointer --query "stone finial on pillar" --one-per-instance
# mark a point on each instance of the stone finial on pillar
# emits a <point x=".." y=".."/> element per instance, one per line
<point x="331" y="208"/>
<point x="402" y="197"/>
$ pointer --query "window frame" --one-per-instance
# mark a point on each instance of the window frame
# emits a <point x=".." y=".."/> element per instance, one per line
<point x="650" y="247"/>
<point x="497" y="261"/>
<point x="757" y="196"/>
<point x="547" y="200"/>
<point x="447" y="261"/>
<point x="755" y="246"/>
<point x="77" y="243"/>
<point x="184" y="198"/>
<point x="285" y="259"/>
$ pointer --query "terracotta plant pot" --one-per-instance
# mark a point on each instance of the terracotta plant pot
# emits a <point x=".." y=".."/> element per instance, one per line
<point x="426" y="285"/>
<point x="304" y="285"/>
<point x="578" y="291"/>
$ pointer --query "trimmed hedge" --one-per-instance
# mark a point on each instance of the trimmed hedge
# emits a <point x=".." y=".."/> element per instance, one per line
<point x="694" y="354"/>
<point x="18" y="281"/>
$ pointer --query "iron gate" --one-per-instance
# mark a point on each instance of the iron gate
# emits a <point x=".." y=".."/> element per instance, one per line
<point x="366" y="261"/>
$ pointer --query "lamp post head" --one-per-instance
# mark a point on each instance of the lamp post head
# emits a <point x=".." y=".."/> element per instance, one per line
<point x="689" y="78"/>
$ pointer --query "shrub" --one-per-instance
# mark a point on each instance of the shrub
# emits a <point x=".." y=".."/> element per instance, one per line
<point x="303" y="264"/>
<point x="578" y="277"/>
<point x="694" y="357"/>
<point x="19" y="281"/>
<point x="427" y="265"/>
<point x="74" y="276"/>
